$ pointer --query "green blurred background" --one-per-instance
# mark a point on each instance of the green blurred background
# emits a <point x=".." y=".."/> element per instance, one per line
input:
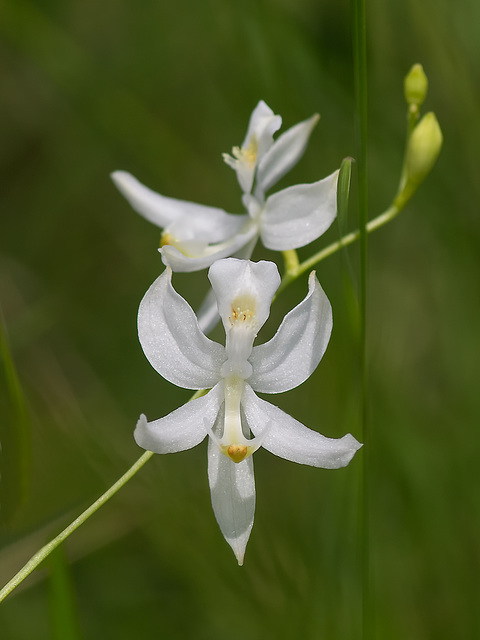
<point x="161" y="89"/>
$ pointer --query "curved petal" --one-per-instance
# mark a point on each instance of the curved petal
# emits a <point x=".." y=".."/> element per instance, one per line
<point x="232" y="487"/>
<point x="172" y="341"/>
<point x="294" y="352"/>
<point x="182" y="429"/>
<point x="209" y="223"/>
<point x="259" y="138"/>
<point x="285" y="153"/>
<point x="263" y="124"/>
<point x="290" y="439"/>
<point x="252" y="283"/>
<point x="208" y="312"/>
<point x="178" y="261"/>
<point x="298" y="215"/>
<point x="206" y="224"/>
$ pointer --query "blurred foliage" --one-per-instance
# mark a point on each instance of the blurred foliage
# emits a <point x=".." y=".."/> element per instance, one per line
<point x="161" y="89"/>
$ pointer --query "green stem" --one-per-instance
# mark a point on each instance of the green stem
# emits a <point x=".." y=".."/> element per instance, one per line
<point x="350" y="238"/>
<point x="360" y="77"/>
<point x="412" y="119"/>
<point x="290" y="259"/>
<point x="36" y="559"/>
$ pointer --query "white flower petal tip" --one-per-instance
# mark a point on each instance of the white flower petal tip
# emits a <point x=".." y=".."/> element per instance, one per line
<point x="232" y="487"/>
<point x="239" y="546"/>
<point x="140" y="431"/>
<point x="284" y="153"/>
<point x="351" y="446"/>
<point x="147" y="203"/>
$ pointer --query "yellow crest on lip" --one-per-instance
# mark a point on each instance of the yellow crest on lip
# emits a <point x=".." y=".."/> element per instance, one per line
<point x="237" y="452"/>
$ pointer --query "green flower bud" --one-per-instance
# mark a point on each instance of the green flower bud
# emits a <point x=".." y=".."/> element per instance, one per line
<point x="423" y="148"/>
<point x="416" y="85"/>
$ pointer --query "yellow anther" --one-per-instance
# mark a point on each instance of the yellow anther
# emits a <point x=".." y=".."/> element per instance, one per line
<point x="237" y="452"/>
<point x="167" y="238"/>
<point x="248" y="154"/>
<point x="243" y="310"/>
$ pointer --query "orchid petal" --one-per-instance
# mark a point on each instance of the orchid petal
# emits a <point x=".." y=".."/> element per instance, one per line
<point x="296" y="216"/>
<point x="245" y="252"/>
<point x="285" y="152"/>
<point x="183" y="428"/>
<point x="251" y="283"/>
<point x="181" y="262"/>
<point x="294" y="352"/>
<point x="292" y="440"/>
<point x="172" y="341"/>
<point x="204" y="223"/>
<point x="263" y="124"/>
<point x="232" y="487"/>
<point x="207" y="314"/>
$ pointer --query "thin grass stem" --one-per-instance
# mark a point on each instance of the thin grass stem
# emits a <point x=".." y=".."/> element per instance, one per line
<point x="45" y="551"/>
<point x="361" y="130"/>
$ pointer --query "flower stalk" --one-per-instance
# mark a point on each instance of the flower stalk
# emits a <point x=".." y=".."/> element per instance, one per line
<point x="46" y="550"/>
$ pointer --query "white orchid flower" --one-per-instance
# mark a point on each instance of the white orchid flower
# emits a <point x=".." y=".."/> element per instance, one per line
<point x="231" y="411"/>
<point x="195" y="236"/>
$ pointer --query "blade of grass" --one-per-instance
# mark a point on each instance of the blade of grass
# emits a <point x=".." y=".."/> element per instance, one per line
<point x="361" y="131"/>
<point x="63" y="613"/>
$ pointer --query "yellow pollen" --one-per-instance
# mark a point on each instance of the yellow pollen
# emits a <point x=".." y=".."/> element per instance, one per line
<point x="237" y="452"/>
<point x="241" y="315"/>
<point x="243" y="310"/>
<point x="247" y="154"/>
<point x="167" y="238"/>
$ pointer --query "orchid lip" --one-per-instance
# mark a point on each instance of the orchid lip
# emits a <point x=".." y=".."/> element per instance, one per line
<point x="238" y="451"/>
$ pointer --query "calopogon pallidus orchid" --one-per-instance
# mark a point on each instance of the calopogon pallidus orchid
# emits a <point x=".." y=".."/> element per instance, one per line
<point x="236" y="421"/>
<point x="195" y="236"/>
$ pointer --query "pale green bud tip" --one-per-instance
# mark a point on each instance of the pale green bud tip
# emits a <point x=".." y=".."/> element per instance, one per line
<point x="416" y="85"/>
<point x="423" y="148"/>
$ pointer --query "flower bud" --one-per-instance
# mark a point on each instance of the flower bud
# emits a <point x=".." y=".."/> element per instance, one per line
<point x="423" y="149"/>
<point x="416" y="85"/>
<point x="422" y="152"/>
